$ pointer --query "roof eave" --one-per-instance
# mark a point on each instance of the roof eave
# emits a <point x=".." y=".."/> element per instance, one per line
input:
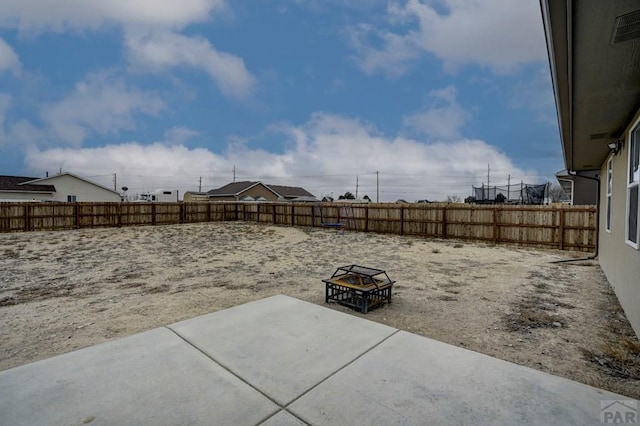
<point x="556" y="19"/>
<point x="26" y="190"/>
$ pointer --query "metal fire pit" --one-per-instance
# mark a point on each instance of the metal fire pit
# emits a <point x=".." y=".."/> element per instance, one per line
<point x="359" y="287"/>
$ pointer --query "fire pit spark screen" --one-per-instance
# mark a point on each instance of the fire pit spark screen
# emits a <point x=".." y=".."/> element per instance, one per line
<point x="359" y="287"/>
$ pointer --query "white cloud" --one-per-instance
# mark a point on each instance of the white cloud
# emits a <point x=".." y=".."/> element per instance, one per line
<point x="151" y="29"/>
<point x="159" y="51"/>
<point x="442" y="119"/>
<point x="393" y="59"/>
<point x="179" y="135"/>
<point x="40" y="15"/>
<point x="496" y="34"/>
<point x="324" y="155"/>
<point x="15" y="134"/>
<point x="8" y="59"/>
<point x="98" y="105"/>
<point x="536" y="94"/>
<point x="23" y="134"/>
<point x="137" y="161"/>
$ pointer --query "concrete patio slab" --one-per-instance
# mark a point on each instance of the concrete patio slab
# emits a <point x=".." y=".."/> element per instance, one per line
<point x="149" y="378"/>
<point x="283" y="418"/>
<point x="280" y="345"/>
<point x="409" y="379"/>
<point x="282" y="361"/>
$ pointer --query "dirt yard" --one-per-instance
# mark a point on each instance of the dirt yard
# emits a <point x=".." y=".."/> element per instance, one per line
<point x="61" y="291"/>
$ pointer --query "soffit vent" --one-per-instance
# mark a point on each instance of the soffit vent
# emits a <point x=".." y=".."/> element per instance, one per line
<point x="626" y="27"/>
<point x="596" y="136"/>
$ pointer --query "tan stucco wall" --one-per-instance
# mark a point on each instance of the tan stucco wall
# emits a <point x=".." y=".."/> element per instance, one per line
<point x="584" y="191"/>
<point x="190" y="197"/>
<point x="619" y="261"/>
<point x="260" y="191"/>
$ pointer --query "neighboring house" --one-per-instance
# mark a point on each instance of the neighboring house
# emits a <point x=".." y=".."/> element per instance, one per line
<point x="18" y="188"/>
<point x="581" y="189"/>
<point x="65" y="187"/>
<point x="252" y="191"/>
<point x="595" y="69"/>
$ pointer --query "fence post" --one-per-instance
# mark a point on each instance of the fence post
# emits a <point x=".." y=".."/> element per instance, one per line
<point x="236" y="208"/>
<point x="153" y="213"/>
<point x="401" y="220"/>
<point x="121" y="213"/>
<point x="258" y="212"/>
<point x="76" y="211"/>
<point x="366" y="219"/>
<point x="209" y="211"/>
<point x="313" y="215"/>
<point x="444" y="222"/>
<point x="496" y="231"/>
<point x="273" y="212"/>
<point x="293" y="215"/>
<point x="560" y="228"/>
<point x="26" y="217"/>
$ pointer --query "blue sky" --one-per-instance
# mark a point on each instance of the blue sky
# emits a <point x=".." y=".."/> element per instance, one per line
<point x="312" y="93"/>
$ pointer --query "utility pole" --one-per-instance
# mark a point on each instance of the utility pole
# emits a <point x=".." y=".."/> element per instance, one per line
<point x="234" y="173"/>
<point x="488" y="180"/>
<point x="115" y="186"/>
<point x="356" y="187"/>
<point x="377" y="186"/>
<point x="508" y="186"/>
<point x="200" y="185"/>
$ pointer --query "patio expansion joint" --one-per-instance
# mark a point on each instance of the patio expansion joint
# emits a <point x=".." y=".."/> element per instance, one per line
<point x="340" y="369"/>
<point x="282" y="408"/>
<point x="285" y="406"/>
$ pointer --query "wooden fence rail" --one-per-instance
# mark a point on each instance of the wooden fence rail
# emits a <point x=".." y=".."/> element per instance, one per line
<point x="562" y="227"/>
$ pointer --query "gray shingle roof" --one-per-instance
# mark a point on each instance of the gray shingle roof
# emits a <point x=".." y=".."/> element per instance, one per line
<point x="290" y="191"/>
<point x="235" y="188"/>
<point x="17" y="183"/>
<point x="232" y="188"/>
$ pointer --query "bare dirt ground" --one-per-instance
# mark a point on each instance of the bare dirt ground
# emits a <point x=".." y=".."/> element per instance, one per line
<point x="61" y="291"/>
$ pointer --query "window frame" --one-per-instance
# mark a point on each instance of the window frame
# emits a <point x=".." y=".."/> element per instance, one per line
<point x="72" y="198"/>
<point x="609" y="194"/>
<point x="633" y="183"/>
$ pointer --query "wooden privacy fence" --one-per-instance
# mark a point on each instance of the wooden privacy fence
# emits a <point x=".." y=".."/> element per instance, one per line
<point x="562" y="227"/>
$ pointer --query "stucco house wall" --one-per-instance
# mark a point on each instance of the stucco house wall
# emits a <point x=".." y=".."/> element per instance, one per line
<point x="620" y="261"/>
<point x="260" y="191"/>
<point x="592" y="58"/>
<point x="195" y="197"/>
<point x="67" y="184"/>
<point x="584" y="191"/>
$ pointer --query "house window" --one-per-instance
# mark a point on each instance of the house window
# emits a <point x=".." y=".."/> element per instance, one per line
<point x="609" y="191"/>
<point x="71" y="198"/>
<point x="633" y="185"/>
